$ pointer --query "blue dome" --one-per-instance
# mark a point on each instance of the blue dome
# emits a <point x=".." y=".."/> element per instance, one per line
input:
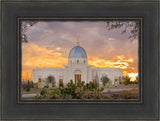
<point x="77" y="52"/>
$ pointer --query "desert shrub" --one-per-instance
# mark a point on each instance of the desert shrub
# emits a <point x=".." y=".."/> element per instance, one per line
<point x="56" y="94"/>
<point x="28" y="88"/>
<point x="126" y="80"/>
<point x="79" y="91"/>
<point x="90" y="86"/>
<point x="91" y="95"/>
<point x="38" y="96"/>
<point x="30" y="83"/>
<point x="101" y="89"/>
<point x="67" y="97"/>
<point x="79" y="83"/>
<point x="105" y="80"/>
<point x="132" y="94"/>
<point x="35" y="85"/>
<point x="115" y="95"/>
<point x="46" y="86"/>
<point x="127" y="94"/>
<point x="70" y="89"/>
<point x="106" y="96"/>
<point x="24" y="86"/>
<point x="43" y="92"/>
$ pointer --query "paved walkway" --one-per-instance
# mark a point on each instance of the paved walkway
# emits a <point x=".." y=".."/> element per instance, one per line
<point x="115" y="90"/>
<point x="28" y="96"/>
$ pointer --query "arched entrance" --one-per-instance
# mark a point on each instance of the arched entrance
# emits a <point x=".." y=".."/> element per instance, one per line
<point x="51" y="79"/>
<point x="77" y="76"/>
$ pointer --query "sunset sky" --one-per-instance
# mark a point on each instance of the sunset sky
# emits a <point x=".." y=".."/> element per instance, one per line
<point x="49" y="44"/>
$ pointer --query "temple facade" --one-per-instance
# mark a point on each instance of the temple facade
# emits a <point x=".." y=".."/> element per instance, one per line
<point x="77" y="69"/>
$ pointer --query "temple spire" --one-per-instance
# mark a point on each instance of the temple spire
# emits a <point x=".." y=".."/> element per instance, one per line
<point x="78" y="43"/>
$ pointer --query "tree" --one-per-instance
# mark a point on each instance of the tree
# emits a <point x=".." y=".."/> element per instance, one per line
<point x="105" y="80"/>
<point x="132" y="26"/>
<point x="24" y="27"/>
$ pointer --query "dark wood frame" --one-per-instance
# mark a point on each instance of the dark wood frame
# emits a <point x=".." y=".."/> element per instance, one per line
<point x="146" y="109"/>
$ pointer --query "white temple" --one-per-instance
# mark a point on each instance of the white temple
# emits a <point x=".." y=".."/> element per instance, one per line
<point x="77" y="69"/>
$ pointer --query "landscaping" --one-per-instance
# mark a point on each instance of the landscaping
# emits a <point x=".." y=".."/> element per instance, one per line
<point x="73" y="91"/>
<point x="82" y="90"/>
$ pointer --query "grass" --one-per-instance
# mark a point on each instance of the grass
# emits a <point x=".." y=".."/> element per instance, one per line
<point x="121" y="86"/>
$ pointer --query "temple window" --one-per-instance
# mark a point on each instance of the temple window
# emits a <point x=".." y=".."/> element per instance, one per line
<point x="115" y="80"/>
<point x="61" y="82"/>
<point x="39" y="80"/>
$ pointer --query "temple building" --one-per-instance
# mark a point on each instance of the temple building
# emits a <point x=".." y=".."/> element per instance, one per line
<point x="77" y="69"/>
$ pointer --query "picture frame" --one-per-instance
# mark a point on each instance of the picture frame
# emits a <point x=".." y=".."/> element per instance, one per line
<point x="19" y="43"/>
<point x="14" y="108"/>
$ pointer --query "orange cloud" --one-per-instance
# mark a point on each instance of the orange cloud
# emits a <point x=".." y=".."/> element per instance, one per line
<point x="38" y="56"/>
<point x="117" y="62"/>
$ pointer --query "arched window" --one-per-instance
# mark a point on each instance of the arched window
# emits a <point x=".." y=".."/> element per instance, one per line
<point x="84" y="61"/>
<point x="77" y="61"/>
<point x="61" y="81"/>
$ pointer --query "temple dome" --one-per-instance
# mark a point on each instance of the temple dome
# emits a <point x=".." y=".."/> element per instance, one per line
<point x="77" y="52"/>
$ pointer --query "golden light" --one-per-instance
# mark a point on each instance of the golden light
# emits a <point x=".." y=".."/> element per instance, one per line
<point x="133" y="76"/>
<point x="117" y="62"/>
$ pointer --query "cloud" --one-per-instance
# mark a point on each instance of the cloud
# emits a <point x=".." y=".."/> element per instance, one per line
<point x="39" y="56"/>
<point x="117" y="62"/>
